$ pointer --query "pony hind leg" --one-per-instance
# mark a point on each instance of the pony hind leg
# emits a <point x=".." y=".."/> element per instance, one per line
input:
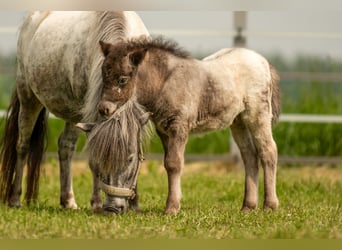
<point x="26" y="125"/>
<point x="249" y="156"/>
<point x="66" y="147"/>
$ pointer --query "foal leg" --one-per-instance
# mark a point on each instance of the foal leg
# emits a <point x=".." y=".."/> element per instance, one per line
<point x="66" y="148"/>
<point x="249" y="156"/>
<point x="268" y="155"/>
<point x="174" y="161"/>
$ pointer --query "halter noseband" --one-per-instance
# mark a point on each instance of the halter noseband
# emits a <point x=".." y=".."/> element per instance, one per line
<point x="128" y="193"/>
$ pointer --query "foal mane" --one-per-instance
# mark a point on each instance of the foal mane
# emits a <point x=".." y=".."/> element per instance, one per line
<point x="108" y="143"/>
<point x="157" y="43"/>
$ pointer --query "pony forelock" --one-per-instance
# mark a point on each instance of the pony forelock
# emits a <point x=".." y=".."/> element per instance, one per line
<point x="110" y="141"/>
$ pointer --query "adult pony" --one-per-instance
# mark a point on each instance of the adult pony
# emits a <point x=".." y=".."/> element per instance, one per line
<point x="234" y="88"/>
<point x="58" y="70"/>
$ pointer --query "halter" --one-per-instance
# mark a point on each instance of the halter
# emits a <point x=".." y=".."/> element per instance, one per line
<point x="128" y="193"/>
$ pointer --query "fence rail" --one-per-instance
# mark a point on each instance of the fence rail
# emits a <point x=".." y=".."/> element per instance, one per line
<point x="292" y="160"/>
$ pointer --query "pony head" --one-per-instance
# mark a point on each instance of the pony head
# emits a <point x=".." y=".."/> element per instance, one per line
<point x="115" y="154"/>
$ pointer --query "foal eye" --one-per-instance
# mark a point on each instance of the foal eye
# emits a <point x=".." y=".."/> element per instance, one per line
<point x="122" y="80"/>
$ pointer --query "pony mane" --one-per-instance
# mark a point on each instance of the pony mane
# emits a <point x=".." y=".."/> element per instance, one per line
<point x="108" y="143"/>
<point x="157" y="42"/>
<point x="109" y="27"/>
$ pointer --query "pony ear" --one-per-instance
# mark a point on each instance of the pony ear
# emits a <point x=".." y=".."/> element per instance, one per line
<point x="137" y="56"/>
<point x="143" y="119"/>
<point x="105" y="47"/>
<point x="86" y="127"/>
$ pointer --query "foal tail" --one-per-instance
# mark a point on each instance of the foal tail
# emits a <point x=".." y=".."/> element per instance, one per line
<point x="275" y="100"/>
<point x="9" y="156"/>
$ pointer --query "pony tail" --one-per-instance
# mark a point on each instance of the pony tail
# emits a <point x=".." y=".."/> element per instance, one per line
<point x="275" y="102"/>
<point x="8" y="151"/>
<point x="35" y="156"/>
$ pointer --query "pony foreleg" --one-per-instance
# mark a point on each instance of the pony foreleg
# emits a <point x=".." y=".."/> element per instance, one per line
<point x="66" y="148"/>
<point x="96" y="199"/>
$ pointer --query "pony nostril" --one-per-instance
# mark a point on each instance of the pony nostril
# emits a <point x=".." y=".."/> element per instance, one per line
<point x="114" y="209"/>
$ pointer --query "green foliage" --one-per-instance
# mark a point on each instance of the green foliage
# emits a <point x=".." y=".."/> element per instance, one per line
<point x="309" y="208"/>
<point x="6" y="88"/>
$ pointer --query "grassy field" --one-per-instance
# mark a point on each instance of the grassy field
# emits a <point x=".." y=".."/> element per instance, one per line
<point x="310" y="207"/>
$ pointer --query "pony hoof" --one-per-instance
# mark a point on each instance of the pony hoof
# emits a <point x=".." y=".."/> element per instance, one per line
<point x="97" y="209"/>
<point x="70" y="205"/>
<point x="14" y="204"/>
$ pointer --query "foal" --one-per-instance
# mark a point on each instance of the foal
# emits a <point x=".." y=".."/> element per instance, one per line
<point x="234" y="88"/>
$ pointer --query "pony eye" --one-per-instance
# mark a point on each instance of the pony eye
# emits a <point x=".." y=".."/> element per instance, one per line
<point x="130" y="159"/>
<point x="122" y="80"/>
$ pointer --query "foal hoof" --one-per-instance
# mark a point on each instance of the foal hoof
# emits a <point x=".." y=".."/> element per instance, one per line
<point x="171" y="211"/>
<point x="246" y="209"/>
<point x="248" y="206"/>
<point x="271" y="206"/>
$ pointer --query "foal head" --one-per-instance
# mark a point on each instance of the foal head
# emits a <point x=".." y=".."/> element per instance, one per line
<point x="122" y="62"/>
<point x="118" y="71"/>
<point x="115" y="153"/>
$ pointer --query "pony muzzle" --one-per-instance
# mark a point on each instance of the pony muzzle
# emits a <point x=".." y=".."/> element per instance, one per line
<point x="116" y="198"/>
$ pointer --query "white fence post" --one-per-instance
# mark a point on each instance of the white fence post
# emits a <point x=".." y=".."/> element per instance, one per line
<point x="239" y="40"/>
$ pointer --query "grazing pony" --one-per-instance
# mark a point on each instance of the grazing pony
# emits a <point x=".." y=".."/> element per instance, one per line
<point x="58" y="70"/>
<point x="235" y="88"/>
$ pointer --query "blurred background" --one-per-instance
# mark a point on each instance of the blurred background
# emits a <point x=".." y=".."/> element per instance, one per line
<point x="304" y="46"/>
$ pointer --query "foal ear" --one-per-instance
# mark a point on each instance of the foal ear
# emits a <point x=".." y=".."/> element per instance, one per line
<point x="105" y="47"/>
<point x="137" y="56"/>
<point x="86" y="127"/>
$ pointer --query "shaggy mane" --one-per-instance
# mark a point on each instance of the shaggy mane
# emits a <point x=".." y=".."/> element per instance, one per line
<point x="109" y="142"/>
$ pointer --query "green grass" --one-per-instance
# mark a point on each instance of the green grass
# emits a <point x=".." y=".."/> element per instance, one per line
<point x="310" y="207"/>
